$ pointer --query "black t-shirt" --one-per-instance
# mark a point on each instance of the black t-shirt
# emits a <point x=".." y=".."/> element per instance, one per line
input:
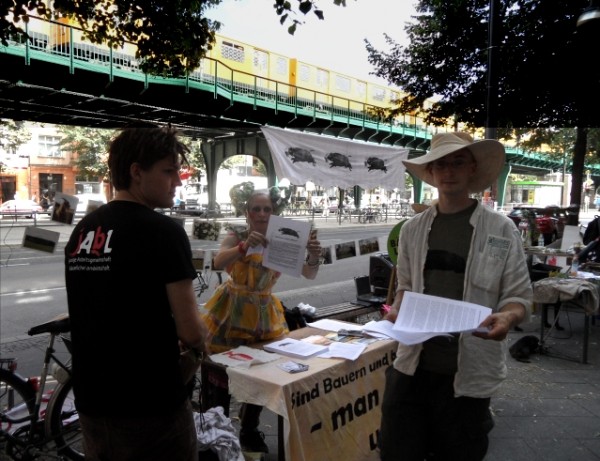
<point x="117" y="262"/>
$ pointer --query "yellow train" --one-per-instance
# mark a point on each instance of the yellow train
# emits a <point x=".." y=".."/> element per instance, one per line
<point x="250" y="69"/>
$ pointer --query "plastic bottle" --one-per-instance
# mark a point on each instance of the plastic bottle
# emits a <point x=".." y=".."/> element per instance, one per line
<point x="574" y="266"/>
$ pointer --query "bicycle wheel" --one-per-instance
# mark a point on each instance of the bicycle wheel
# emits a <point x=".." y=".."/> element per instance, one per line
<point x="62" y="422"/>
<point x="17" y="402"/>
<point x="377" y="217"/>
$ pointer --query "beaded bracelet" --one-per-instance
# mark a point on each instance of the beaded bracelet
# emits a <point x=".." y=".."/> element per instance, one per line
<point x="241" y="248"/>
<point x="316" y="263"/>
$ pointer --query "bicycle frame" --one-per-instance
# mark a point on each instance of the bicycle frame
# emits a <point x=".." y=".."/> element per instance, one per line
<point x="204" y="269"/>
<point x="28" y="429"/>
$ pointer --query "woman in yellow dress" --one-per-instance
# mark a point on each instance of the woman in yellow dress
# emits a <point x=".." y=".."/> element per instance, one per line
<point x="243" y="310"/>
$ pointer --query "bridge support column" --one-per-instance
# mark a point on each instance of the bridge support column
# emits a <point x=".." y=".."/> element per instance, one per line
<point x="501" y="184"/>
<point x="216" y="152"/>
<point x="417" y="189"/>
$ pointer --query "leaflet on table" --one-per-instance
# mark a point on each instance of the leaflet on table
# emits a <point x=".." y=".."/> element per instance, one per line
<point x="243" y="357"/>
<point x="333" y="325"/>
<point x="295" y="348"/>
<point x="286" y="247"/>
<point x="424" y="316"/>
<point x="349" y="351"/>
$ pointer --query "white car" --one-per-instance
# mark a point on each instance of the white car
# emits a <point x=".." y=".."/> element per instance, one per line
<point x="89" y="201"/>
<point x="16" y="208"/>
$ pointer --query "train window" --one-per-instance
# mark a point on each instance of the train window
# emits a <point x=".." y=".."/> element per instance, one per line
<point x="261" y="60"/>
<point x="361" y="88"/>
<point x="322" y="78"/>
<point x="379" y="94"/>
<point x="232" y="51"/>
<point x="304" y="73"/>
<point x="342" y="83"/>
<point x="282" y="66"/>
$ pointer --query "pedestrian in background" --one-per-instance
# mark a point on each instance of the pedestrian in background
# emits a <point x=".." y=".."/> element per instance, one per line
<point x="131" y="301"/>
<point x="437" y="393"/>
<point x="243" y="310"/>
<point x="586" y="203"/>
<point x="324" y="204"/>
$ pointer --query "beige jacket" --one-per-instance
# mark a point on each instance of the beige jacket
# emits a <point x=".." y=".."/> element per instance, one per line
<point x="496" y="274"/>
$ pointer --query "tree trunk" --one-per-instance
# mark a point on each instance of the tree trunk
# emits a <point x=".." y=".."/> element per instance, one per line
<point x="577" y="173"/>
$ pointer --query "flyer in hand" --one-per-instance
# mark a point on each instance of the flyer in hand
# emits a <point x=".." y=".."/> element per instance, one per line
<point x="424" y="316"/>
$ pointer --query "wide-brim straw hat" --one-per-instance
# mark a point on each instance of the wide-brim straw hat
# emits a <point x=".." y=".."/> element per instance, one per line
<point x="488" y="153"/>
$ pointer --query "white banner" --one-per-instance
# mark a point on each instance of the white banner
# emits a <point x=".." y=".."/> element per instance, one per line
<point x="328" y="161"/>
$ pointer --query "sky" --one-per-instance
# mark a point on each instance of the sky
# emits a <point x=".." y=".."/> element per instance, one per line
<point x="335" y="43"/>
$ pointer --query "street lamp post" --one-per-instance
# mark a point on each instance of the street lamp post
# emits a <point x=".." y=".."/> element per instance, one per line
<point x="587" y="39"/>
<point x="491" y="122"/>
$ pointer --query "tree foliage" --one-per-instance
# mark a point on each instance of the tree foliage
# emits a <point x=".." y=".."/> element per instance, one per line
<point x="172" y="36"/>
<point x="13" y="134"/>
<point x="539" y="59"/>
<point x="546" y="76"/>
<point x="89" y="149"/>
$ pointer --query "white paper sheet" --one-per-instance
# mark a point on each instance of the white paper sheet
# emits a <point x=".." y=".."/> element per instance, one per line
<point x="334" y="325"/>
<point x="423" y="316"/>
<point x="349" y="351"/>
<point x="286" y="245"/>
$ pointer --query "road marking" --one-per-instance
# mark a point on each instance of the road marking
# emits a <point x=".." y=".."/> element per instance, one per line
<point x="35" y="299"/>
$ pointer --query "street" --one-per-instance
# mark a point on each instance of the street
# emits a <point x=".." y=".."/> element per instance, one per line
<point x="32" y="286"/>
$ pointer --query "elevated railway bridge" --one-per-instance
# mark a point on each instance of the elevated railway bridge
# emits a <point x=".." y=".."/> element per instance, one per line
<point x="82" y="84"/>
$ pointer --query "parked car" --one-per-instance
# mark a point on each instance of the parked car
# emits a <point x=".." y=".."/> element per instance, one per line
<point x="16" y="208"/>
<point x="550" y="220"/>
<point x="84" y="202"/>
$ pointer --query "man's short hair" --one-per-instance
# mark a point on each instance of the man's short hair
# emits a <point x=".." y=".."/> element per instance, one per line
<point x="145" y="146"/>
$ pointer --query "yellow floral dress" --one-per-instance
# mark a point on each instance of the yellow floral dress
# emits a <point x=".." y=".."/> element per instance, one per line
<point x="242" y="310"/>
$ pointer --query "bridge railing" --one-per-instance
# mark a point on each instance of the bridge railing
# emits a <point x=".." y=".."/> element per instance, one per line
<point x="63" y="43"/>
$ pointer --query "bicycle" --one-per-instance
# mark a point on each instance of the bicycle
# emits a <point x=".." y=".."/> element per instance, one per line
<point x="205" y="271"/>
<point x="369" y="215"/>
<point x="36" y="421"/>
<point x="344" y="214"/>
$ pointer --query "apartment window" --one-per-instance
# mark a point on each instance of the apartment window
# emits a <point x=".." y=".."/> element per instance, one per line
<point x="322" y="78"/>
<point x="48" y="146"/>
<point x="304" y="73"/>
<point x="232" y="51"/>
<point x="342" y="83"/>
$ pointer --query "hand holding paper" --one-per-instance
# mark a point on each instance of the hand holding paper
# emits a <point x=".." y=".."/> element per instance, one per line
<point x="424" y="316"/>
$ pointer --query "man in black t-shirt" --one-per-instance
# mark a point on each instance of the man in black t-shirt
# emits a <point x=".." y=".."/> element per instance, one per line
<point x="132" y="307"/>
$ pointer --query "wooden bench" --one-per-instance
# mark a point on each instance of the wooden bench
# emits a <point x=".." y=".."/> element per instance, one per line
<point x="344" y="311"/>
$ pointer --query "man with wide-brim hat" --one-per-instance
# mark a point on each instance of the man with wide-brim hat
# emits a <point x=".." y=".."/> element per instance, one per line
<point x="437" y="395"/>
